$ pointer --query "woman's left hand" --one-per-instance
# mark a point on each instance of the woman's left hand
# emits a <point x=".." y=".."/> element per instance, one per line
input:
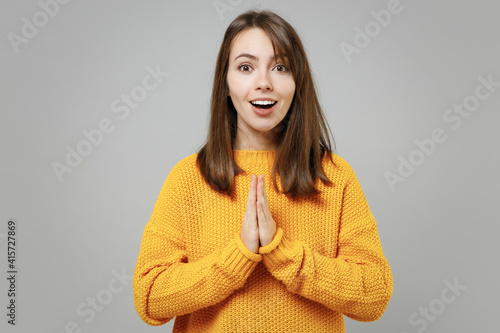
<point x="267" y="226"/>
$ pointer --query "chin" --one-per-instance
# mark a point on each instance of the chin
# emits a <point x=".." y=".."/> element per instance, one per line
<point x="265" y="127"/>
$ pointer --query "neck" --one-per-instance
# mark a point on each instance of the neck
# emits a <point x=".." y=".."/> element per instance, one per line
<point x="264" y="142"/>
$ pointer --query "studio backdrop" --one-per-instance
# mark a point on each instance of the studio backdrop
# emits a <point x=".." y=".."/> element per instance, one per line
<point x="99" y="100"/>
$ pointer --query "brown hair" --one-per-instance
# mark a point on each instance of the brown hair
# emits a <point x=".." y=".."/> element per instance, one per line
<point x="302" y="137"/>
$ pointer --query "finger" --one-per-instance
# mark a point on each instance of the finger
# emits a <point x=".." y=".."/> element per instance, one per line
<point x="260" y="191"/>
<point x="261" y="213"/>
<point x="260" y="219"/>
<point x="253" y="187"/>
<point x="263" y="187"/>
<point x="251" y="210"/>
<point x="253" y="195"/>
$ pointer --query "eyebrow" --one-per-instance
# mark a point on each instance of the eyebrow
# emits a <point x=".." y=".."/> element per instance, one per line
<point x="253" y="57"/>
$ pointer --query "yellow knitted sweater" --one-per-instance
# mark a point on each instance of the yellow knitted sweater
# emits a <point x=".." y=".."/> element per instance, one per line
<point x="324" y="262"/>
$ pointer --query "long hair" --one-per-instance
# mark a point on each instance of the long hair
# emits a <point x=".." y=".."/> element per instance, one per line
<point x="302" y="136"/>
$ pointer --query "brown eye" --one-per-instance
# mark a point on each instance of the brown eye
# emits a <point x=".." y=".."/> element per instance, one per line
<point x="281" y="68"/>
<point x="244" y="68"/>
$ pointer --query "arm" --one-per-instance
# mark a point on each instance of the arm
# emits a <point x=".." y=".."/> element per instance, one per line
<point x="358" y="282"/>
<point x="165" y="283"/>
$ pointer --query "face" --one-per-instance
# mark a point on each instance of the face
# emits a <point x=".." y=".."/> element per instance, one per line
<point x="255" y="82"/>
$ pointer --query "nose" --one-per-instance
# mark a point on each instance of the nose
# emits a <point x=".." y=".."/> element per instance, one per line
<point x="264" y="82"/>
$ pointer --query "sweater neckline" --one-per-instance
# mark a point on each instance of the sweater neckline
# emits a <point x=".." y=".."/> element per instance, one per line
<point x="254" y="157"/>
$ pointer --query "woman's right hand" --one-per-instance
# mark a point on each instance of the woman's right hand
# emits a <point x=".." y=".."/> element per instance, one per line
<point x="249" y="227"/>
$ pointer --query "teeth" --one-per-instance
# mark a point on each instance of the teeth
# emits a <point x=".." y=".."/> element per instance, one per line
<point x="263" y="102"/>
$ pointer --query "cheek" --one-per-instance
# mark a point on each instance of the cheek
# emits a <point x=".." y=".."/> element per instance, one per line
<point x="289" y="90"/>
<point x="236" y="87"/>
<point x="285" y="85"/>
<point x="230" y="84"/>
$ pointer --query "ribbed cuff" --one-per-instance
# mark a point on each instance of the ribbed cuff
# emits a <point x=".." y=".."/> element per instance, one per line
<point x="279" y="251"/>
<point x="236" y="258"/>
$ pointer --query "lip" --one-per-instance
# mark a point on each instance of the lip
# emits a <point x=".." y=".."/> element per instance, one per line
<point x="262" y="112"/>
<point x="263" y="99"/>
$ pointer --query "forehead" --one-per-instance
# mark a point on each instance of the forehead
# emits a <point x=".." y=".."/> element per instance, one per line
<point x="254" y="41"/>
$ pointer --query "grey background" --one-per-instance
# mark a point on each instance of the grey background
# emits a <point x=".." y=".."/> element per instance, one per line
<point x="73" y="235"/>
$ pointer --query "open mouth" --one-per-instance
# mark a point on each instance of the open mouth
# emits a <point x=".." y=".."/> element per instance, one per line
<point x="264" y="105"/>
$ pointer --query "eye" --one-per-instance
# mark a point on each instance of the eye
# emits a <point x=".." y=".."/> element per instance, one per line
<point x="244" y="68"/>
<point x="281" y="68"/>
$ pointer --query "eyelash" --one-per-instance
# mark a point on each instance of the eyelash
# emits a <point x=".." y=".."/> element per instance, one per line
<point x="246" y="65"/>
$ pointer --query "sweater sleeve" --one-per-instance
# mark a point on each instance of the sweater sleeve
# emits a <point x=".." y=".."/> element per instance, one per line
<point x="165" y="283"/>
<point x="358" y="282"/>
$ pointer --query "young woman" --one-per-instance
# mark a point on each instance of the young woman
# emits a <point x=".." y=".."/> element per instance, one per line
<point x="226" y="252"/>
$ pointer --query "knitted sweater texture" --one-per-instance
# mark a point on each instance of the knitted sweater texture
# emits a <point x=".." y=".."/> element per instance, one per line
<point x="325" y="261"/>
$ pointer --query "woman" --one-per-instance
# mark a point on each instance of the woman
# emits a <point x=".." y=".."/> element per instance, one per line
<point x="223" y="250"/>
